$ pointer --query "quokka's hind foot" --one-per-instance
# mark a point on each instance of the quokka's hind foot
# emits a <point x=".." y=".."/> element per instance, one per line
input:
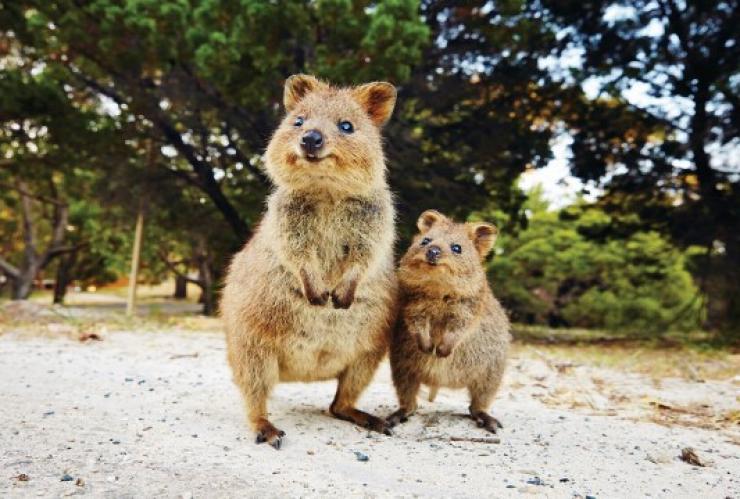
<point x="485" y="421"/>
<point x="398" y="417"/>
<point x="363" y="419"/>
<point x="266" y="432"/>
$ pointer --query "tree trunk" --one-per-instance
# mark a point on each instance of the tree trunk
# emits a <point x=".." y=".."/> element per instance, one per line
<point x="22" y="277"/>
<point x="63" y="277"/>
<point x="205" y="277"/>
<point x="181" y="287"/>
<point x="23" y="284"/>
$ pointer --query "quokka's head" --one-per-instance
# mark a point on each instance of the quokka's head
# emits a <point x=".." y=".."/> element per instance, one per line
<point x="330" y="137"/>
<point x="447" y="256"/>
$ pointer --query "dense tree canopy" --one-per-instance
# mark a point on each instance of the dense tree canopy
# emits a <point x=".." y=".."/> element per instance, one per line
<point x="570" y="267"/>
<point x="670" y="152"/>
<point x="109" y="108"/>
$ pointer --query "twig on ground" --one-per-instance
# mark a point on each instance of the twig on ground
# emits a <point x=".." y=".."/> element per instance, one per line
<point x="477" y="440"/>
<point x="184" y="356"/>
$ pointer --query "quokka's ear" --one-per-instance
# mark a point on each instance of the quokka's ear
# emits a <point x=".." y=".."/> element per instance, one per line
<point x="297" y="87"/>
<point x="483" y="236"/>
<point x="378" y="99"/>
<point x="428" y="219"/>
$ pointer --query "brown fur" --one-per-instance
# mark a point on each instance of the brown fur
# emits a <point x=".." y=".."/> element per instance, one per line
<point x="312" y="296"/>
<point x="451" y="331"/>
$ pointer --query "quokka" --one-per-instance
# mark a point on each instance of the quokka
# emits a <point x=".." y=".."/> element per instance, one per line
<point x="312" y="296"/>
<point x="451" y="331"/>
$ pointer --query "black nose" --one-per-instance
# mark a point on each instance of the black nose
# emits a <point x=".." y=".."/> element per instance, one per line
<point x="433" y="254"/>
<point x="312" y="141"/>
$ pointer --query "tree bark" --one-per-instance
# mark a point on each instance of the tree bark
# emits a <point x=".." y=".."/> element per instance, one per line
<point x="63" y="277"/>
<point x="23" y="284"/>
<point x="205" y="278"/>
<point x="181" y="287"/>
<point x="21" y="278"/>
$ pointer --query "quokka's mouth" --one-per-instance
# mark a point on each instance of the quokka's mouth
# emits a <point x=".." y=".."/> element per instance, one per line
<point x="312" y="158"/>
<point x="424" y="265"/>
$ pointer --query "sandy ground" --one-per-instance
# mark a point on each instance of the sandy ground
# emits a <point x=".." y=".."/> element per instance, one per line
<point x="155" y="414"/>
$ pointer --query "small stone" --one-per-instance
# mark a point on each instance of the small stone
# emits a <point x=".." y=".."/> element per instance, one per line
<point x="22" y="477"/>
<point x="535" y="481"/>
<point x="361" y="456"/>
<point x="67" y="478"/>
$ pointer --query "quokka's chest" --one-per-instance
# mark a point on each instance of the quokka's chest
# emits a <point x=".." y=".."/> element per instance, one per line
<point x="334" y="226"/>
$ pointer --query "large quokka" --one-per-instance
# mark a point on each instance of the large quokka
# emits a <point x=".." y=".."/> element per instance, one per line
<point x="312" y="296"/>
<point x="451" y="331"/>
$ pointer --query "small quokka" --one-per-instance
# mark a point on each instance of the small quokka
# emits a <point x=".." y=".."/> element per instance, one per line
<point x="313" y="294"/>
<point x="451" y="331"/>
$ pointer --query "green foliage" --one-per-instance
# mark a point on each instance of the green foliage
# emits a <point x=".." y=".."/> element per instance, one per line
<point x="562" y="270"/>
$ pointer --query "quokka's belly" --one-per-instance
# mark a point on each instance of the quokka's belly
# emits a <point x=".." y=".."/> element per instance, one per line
<point x="320" y="341"/>
<point x="441" y="372"/>
<point x="467" y="363"/>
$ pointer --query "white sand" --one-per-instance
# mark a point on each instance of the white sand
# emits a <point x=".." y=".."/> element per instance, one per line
<point x="131" y="421"/>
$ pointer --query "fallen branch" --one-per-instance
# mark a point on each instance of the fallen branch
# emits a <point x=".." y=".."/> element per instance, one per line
<point x="184" y="356"/>
<point x="476" y="440"/>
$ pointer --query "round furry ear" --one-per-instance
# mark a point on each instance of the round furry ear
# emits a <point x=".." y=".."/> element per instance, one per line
<point x="428" y="219"/>
<point x="378" y="99"/>
<point x="297" y="87"/>
<point x="483" y="236"/>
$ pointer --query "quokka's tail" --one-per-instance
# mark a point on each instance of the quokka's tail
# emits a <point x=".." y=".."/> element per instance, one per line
<point x="433" y="389"/>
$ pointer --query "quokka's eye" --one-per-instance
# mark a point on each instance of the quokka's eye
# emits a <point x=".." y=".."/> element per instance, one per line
<point x="346" y="127"/>
<point x="298" y="121"/>
<point x="456" y="248"/>
<point x="425" y="241"/>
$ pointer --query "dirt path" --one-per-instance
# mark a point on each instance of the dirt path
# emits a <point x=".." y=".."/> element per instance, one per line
<point x="155" y="414"/>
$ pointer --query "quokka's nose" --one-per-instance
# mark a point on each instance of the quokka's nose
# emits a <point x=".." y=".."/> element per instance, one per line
<point x="312" y="141"/>
<point x="433" y="254"/>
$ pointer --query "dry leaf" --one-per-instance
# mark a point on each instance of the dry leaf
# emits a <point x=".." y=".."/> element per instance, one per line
<point x="689" y="456"/>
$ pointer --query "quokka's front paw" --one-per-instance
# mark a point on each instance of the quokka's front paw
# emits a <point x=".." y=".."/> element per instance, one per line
<point x="424" y="342"/>
<point x="344" y="295"/>
<point x="317" y="299"/>
<point x="311" y="292"/>
<point x="444" y="349"/>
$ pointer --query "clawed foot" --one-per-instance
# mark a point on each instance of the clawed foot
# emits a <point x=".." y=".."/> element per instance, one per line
<point x="341" y="301"/>
<point x="397" y="418"/>
<point x="378" y="424"/>
<point x="486" y="421"/>
<point x="311" y="290"/>
<point x="443" y="350"/>
<point x="271" y="435"/>
<point x="424" y="342"/>
<point x="318" y="300"/>
<point x="363" y="419"/>
<point x="344" y="295"/>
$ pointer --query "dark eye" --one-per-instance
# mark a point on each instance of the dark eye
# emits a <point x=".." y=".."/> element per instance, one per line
<point x="456" y="248"/>
<point x="298" y="121"/>
<point x="346" y="127"/>
<point x="425" y="241"/>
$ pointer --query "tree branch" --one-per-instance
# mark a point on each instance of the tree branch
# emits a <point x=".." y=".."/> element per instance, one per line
<point x="29" y="236"/>
<point x="173" y="267"/>
<point x="9" y="269"/>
